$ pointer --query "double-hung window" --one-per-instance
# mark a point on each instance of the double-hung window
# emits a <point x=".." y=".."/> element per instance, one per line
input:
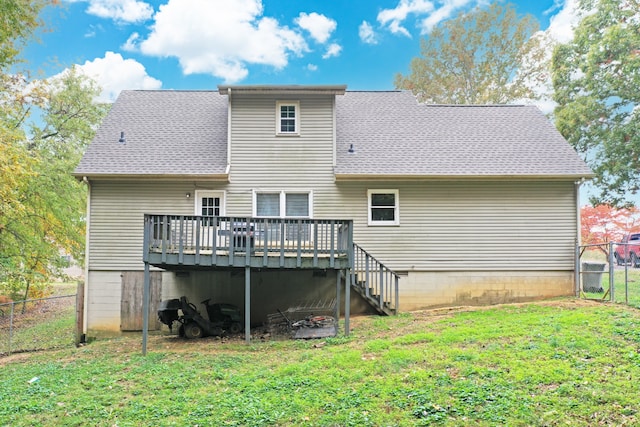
<point x="383" y="206"/>
<point x="287" y="118"/>
<point x="292" y="205"/>
<point x="283" y="204"/>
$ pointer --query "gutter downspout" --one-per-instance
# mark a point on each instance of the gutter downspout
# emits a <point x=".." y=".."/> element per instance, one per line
<point x="335" y="141"/>
<point x="576" y="271"/>
<point x="85" y="304"/>
<point x="228" y="170"/>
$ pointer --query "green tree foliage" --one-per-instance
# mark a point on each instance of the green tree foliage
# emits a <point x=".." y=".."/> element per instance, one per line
<point x="485" y="56"/>
<point x="596" y="78"/>
<point x="44" y="128"/>
<point x="18" y="20"/>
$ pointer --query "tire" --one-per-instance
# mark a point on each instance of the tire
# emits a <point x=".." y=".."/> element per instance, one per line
<point x="235" y="328"/>
<point x="619" y="260"/>
<point x="635" y="262"/>
<point x="192" y="330"/>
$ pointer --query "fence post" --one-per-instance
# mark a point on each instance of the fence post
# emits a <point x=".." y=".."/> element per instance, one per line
<point x="577" y="270"/>
<point x="80" y="337"/>
<point x="13" y="304"/>
<point x="611" y="266"/>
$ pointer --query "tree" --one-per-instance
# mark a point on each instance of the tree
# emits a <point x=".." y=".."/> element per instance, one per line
<point x="41" y="204"/>
<point x="604" y="223"/>
<point x="596" y="80"/>
<point x="484" y="56"/>
<point x="19" y="21"/>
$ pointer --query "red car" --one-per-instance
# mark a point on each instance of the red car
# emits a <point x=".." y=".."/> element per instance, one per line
<point x="628" y="251"/>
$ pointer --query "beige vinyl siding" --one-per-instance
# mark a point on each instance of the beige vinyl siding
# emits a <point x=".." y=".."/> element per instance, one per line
<point x="117" y="218"/>
<point x="262" y="160"/>
<point x="459" y="226"/>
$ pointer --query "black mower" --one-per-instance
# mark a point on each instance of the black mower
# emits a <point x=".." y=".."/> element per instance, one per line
<point x="223" y="318"/>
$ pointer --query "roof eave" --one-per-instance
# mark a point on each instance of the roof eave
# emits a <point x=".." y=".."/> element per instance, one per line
<point x="426" y="177"/>
<point x="222" y="177"/>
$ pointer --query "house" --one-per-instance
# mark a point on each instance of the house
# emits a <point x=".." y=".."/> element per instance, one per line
<point x="263" y="191"/>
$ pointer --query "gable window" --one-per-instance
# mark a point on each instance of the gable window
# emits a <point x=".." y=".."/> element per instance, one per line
<point x="283" y="204"/>
<point x="383" y="206"/>
<point x="287" y="117"/>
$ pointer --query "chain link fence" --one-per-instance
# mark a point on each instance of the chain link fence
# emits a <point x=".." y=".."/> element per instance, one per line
<point x="38" y="324"/>
<point x="608" y="272"/>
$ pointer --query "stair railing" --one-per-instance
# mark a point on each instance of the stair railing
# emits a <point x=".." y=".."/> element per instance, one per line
<point x="377" y="282"/>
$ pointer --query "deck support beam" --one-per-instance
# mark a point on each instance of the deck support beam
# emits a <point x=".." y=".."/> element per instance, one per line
<point x="347" y="302"/>
<point x="247" y="304"/>
<point x="145" y="308"/>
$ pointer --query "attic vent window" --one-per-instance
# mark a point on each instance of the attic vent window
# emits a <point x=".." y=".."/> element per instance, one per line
<point x="287" y="117"/>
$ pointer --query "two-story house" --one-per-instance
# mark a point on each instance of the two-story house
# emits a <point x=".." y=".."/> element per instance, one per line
<point x="268" y="196"/>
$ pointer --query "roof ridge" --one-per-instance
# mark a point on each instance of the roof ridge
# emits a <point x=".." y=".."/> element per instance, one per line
<point x="473" y="105"/>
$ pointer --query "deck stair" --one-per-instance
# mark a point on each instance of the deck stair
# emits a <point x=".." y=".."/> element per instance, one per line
<point x="374" y="281"/>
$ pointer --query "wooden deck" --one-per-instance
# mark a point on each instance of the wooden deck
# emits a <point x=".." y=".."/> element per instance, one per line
<point x="176" y="241"/>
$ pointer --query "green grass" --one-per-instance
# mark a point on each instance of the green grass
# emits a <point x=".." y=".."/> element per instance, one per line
<point x="565" y="363"/>
<point x="45" y="325"/>
<point x="626" y="286"/>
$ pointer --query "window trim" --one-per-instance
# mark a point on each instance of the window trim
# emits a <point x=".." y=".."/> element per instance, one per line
<point x="283" y="202"/>
<point x="199" y="194"/>
<point x="396" y="207"/>
<point x="296" y="105"/>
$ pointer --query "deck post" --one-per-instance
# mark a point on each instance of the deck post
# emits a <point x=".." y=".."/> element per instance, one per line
<point x="338" y="280"/>
<point x="145" y="308"/>
<point x="347" y="302"/>
<point x="247" y="304"/>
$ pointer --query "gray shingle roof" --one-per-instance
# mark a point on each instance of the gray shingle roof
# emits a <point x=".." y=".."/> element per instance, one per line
<point x="394" y="135"/>
<point x="184" y="133"/>
<point x="167" y="133"/>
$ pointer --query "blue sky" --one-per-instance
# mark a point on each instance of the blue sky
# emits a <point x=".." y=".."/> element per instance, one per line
<point x="198" y="44"/>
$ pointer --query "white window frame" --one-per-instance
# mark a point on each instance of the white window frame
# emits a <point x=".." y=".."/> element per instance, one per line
<point x="210" y="193"/>
<point x="283" y="202"/>
<point x="296" y="105"/>
<point x="396" y="207"/>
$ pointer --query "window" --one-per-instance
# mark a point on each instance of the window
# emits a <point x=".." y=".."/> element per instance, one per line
<point x="210" y="206"/>
<point x="283" y="204"/>
<point x="383" y="207"/>
<point x="287" y="113"/>
<point x="209" y="203"/>
<point x="268" y="204"/>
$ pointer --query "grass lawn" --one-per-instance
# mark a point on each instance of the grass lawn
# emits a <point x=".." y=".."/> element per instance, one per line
<point x="565" y="362"/>
<point x="46" y="324"/>
<point x="626" y="281"/>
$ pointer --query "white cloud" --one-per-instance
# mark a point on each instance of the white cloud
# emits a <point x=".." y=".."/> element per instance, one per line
<point x="334" y="49"/>
<point x="366" y="33"/>
<point x="560" y="30"/>
<point x="131" y="45"/>
<point x="561" y="25"/>
<point x="312" y="67"/>
<point x="129" y="11"/>
<point x="221" y="37"/>
<point x="441" y="14"/>
<point x="319" y="26"/>
<point x="424" y="11"/>
<point x="114" y="73"/>
<point x="393" y="18"/>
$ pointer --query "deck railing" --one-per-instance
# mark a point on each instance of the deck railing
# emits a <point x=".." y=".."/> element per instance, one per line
<point x="245" y="236"/>
<point x="375" y="281"/>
